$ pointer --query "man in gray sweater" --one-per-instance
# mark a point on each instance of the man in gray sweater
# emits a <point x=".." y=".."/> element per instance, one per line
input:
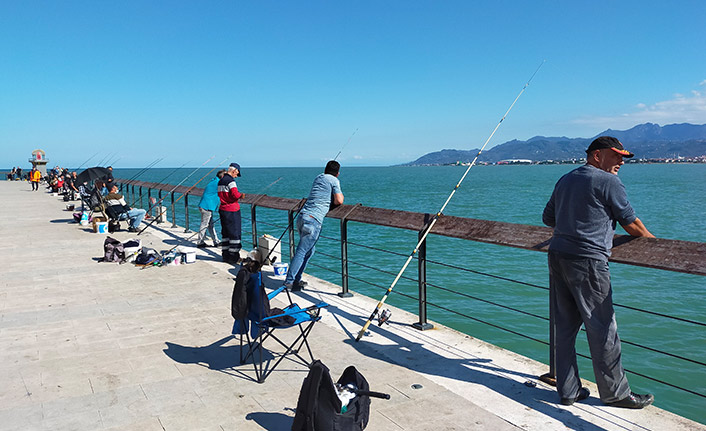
<point x="583" y="210"/>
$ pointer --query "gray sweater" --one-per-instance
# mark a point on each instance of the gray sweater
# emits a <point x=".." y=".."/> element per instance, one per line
<point x="583" y="210"/>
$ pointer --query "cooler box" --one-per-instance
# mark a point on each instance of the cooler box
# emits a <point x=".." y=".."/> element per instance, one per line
<point x="266" y="243"/>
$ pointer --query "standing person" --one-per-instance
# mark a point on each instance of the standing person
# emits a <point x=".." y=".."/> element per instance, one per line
<point x="70" y="184"/>
<point x="208" y="204"/>
<point x="19" y="173"/>
<point x="230" y="214"/>
<point x="583" y="210"/>
<point x="11" y="175"/>
<point x="35" y="176"/>
<point x="109" y="180"/>
<point x="325" y="193"/>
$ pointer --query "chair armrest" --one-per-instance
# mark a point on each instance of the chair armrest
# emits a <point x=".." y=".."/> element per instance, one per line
<point x="275" y="292"/>
<point x="307" y="310"/>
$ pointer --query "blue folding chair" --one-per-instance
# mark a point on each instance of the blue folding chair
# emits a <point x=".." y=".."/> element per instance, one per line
<point x="261" y="323"/>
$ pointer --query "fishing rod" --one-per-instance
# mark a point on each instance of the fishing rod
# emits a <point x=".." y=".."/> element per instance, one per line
<point x="143" y="170"/>
<point x="87" y="160"/>
<point x="161" y="181"/>
<point x="105" y="158"/>
<point x="347" y="142"/>
<point x="438" y="214"/>
<point x="113" y="161"/>
<point x="183" y="194"/>
<point x="215" y="219"/>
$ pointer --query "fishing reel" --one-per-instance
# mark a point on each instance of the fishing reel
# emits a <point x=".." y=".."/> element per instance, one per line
<point x="384" y="316"/>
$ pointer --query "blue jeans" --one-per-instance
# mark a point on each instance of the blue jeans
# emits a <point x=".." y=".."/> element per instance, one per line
<point x="135" y="216"/>
<point x="309" y="230"/>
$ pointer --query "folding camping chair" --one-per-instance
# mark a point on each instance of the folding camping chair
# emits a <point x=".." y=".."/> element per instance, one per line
<point x="258" y="322"/>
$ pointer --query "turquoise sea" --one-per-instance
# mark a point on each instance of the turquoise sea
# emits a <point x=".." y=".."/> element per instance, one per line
<point x="670" y="200"/>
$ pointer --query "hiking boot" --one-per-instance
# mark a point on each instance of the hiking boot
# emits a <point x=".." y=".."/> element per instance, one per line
<point x="582" y="395"/>
<point x="634" y="401"/>
<point x="201" y="245"/>
<point x="132" y="229"/>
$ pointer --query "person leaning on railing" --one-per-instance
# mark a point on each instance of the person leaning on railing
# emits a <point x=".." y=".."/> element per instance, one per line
<point x="583" y="210"/>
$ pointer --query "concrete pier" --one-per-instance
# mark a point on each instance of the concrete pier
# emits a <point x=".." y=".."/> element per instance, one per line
<point x="102" y="346"/>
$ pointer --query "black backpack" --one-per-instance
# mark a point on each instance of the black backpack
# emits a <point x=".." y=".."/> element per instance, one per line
<point x="113" y="250"/>
<point x="319" y="408"/>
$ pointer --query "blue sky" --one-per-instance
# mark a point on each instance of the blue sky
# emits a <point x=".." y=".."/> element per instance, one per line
<point x="286" y="83"/>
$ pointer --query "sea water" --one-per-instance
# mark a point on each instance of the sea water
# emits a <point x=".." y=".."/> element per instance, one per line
<point x="670" y="199"/>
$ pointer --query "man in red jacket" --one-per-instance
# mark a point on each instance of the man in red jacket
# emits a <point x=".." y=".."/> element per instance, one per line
<point x="230" y="215"/>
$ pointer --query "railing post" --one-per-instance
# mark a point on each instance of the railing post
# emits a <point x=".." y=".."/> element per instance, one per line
<point x="550" y="377"/>
<point x="344" y="254"/>
<point x="149" y="198"/>
<point x="173" y="212"/>
<point x="422" y="276"/>
<point x="253" y="223"/>
<point x="140" y="189"/>
<point x="186" y="213"/>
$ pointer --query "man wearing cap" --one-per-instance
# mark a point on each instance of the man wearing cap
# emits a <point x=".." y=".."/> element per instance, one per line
<point x="583" y="210"/>
<point x="230" y="215"/>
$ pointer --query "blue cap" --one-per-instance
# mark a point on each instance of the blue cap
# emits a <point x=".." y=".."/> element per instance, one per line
<point x="236" y="166"/>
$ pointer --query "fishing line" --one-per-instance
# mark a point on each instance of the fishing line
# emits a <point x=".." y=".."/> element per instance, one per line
<point x="347" y="142"/>
<point x="183" y="194"/>
<point x="438" y="214"/>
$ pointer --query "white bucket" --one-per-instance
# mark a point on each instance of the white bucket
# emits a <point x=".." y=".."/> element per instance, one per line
<point x="102" y="227"/>
<point x="188" y="252"/>
<point x="280" y="269"/>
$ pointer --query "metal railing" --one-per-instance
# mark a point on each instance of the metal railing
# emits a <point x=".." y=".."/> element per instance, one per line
<point x="664" y="254"/>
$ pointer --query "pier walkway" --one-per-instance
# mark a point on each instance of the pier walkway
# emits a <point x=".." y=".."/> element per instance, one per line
<point x="96" y="346"/>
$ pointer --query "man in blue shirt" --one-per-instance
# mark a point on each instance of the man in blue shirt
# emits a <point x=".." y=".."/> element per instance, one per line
<point x="325" y="192"/>
<point x="584" y="209"/>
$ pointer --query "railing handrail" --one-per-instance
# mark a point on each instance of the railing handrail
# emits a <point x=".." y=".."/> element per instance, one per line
<point x="667" y="254"/>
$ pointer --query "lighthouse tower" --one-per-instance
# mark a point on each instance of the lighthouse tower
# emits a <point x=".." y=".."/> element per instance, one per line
<point x="39" y="161"/>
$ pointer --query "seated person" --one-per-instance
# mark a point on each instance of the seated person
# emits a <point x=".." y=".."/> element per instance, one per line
<point x="117" y="208"/>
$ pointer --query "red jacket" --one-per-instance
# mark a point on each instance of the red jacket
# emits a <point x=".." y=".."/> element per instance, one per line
<point x="229" y="194"/>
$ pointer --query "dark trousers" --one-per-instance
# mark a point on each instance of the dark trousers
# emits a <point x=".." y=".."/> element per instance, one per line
<point x="583" y="295"/>
<point x="35" y="185"/>
<point x="230" y="233"/>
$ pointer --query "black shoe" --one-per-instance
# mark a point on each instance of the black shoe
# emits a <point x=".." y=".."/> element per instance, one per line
<point x="634" y="401"/>
<point x="293" y="287"/>
<point x="202" y="245"/>
<point x="132" y="229"/>
<point x="582" y="395"/>
<point x="216" y="244"/>
<point x="302" y="283"/>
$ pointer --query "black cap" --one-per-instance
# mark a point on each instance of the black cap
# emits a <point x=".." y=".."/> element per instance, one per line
<point x="609" y="142"/>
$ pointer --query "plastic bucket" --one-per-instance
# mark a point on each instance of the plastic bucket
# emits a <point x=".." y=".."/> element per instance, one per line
<point x="102" y="227"/>
<point x="281" y="269"/>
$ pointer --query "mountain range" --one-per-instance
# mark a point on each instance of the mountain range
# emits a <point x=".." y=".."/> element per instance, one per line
<point x="647" y="141"/>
